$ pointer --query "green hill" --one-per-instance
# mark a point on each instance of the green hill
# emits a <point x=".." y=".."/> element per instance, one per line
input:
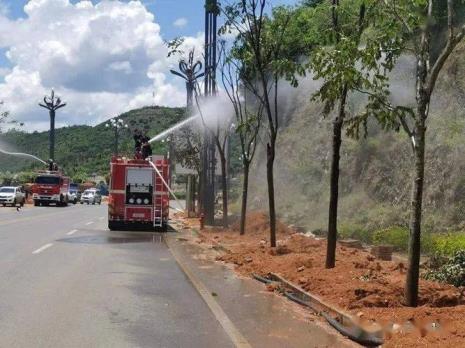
<point x="375" y="182"/>
<point x="85" y="150"/>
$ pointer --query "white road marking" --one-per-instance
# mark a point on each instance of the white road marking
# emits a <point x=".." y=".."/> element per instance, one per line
<point x="46" y="246"/>
<point x="89" y="223"/>
<point x="70" y="233"/>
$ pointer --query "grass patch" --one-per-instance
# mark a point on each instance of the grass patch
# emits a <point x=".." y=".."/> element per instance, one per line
<point x="446" y="244"/>
<point x="355" y="232"/>
<point x="396" y="236"/>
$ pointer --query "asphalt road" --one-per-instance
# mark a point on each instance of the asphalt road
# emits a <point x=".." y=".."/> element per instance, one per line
<point x="65" y="281"/>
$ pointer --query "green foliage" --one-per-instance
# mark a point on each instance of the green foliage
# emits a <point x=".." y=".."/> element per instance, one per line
<point x="453" y="272"/>
<point x="188" y="146"/>
<point x="446" y="244"/>
<point x="396" y="236"/>
<point x="355" y="232"/>
<point x="355" y="59"/>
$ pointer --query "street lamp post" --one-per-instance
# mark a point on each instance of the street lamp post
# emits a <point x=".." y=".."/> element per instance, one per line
<point x="52" y="105"/>
<point x="117" y="125"/>
<point x="190" y="71"/>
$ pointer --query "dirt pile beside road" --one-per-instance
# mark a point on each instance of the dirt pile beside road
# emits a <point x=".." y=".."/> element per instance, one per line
<point x="360" y="284"/>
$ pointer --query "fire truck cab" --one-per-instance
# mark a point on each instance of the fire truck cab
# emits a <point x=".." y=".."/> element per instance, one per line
<point x="50" y="187"/>
<point x="138" y="198"/>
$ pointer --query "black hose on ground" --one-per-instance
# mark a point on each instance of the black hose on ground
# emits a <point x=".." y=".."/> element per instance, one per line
<point x="261" y="279"/>
<point x="359" y="335"/>
<point x="294" y="298"/>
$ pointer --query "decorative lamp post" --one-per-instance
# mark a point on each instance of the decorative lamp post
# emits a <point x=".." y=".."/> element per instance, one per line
<point x="52" y="104"/>
<point x="190" y="72"/>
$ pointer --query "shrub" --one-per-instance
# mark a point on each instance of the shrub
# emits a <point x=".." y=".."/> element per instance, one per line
<point x="446" y="244"/>
<point x="396" y="236"/>
<point x="355" y="232"/>
<point x="453" y="272"/>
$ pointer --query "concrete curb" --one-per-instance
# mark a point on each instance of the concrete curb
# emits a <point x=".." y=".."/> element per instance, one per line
<point x="236" y="337"/>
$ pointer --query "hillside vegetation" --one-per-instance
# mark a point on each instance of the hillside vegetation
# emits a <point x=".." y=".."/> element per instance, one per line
<point x="85" y="150"/>
<point x="375" y="171"/>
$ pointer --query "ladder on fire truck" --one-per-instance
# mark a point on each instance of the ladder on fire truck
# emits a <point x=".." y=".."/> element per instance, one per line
<point x="158" y="206"/>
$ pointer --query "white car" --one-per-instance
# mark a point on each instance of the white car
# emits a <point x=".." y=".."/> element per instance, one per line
<point x="12" y="195"/>
<point x="91" y="196"/>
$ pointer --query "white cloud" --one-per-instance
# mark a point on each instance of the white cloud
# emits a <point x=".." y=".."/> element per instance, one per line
<point x="103" y="59"/>
<point x="180" y="22"/>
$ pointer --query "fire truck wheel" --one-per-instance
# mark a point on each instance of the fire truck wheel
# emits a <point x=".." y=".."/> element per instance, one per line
<point x="4" y="204"/>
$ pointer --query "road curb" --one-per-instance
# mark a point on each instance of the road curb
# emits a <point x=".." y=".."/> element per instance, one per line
<point x="234" y="334"/>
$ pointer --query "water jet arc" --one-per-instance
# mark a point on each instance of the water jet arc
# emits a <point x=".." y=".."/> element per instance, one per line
<point x="20" y="154"/>
<point x="167" y="132"/>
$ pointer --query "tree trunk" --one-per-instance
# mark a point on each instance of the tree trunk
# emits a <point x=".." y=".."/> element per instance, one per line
<point x="269" y="175"/>
<point x="190" y="203"/>
<point x="334" y="183"/>
<point x="200" y="195"/>
<point x="245" y="192"/>
<point x="224" y="184"/>
<point x="414" y="246"/>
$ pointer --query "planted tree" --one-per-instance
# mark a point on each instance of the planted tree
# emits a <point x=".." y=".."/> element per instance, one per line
<point x="419" y="22"/>
<point x="248" y="114"/>
<point x="357" y="50"/>
<point x="263" y="45"/>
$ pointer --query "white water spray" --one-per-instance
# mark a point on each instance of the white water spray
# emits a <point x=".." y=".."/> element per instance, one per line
<point x="20" y="154"/>
<point x="167" y="132"/>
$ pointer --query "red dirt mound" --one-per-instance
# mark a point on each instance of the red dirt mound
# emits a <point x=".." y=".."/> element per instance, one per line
<point x="359" y="283"/>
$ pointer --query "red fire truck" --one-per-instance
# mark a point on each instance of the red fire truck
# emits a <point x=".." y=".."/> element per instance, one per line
<point x="50" y="187"/>
<point x="138" y="197"/>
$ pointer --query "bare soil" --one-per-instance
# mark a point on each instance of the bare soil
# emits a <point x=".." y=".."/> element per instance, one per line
<point x="360" y="284"/>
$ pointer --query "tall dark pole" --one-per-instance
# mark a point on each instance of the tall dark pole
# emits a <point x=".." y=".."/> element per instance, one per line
<point x="52" y="104"/>
<point x="208" y="151"/>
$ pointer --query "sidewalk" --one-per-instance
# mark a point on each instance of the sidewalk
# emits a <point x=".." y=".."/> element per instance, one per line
<point x="263" y="318"/>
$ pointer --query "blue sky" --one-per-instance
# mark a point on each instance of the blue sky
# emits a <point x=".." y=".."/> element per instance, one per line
<point x="166" y="13"/>
<point x="111" y="55"/>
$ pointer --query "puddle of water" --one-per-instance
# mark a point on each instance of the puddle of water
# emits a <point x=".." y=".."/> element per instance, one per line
<point x="110" y="239"/>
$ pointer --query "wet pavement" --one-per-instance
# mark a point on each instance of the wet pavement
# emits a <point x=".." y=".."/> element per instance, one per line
<point x="66" y="281"/>
<point x="265" y="319"/>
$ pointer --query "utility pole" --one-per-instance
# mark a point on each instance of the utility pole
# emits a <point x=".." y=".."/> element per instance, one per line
<point x="117" y="125"/>
<point x="208" y="150"/>
<point x="52" y="105"/>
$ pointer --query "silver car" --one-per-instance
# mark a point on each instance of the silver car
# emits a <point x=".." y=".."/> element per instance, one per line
<point x="91" y="196"/>
<point x="12" y="195"/>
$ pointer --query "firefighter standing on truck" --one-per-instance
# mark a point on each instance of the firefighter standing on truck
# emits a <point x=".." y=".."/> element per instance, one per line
<point x="146" y="148"/>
